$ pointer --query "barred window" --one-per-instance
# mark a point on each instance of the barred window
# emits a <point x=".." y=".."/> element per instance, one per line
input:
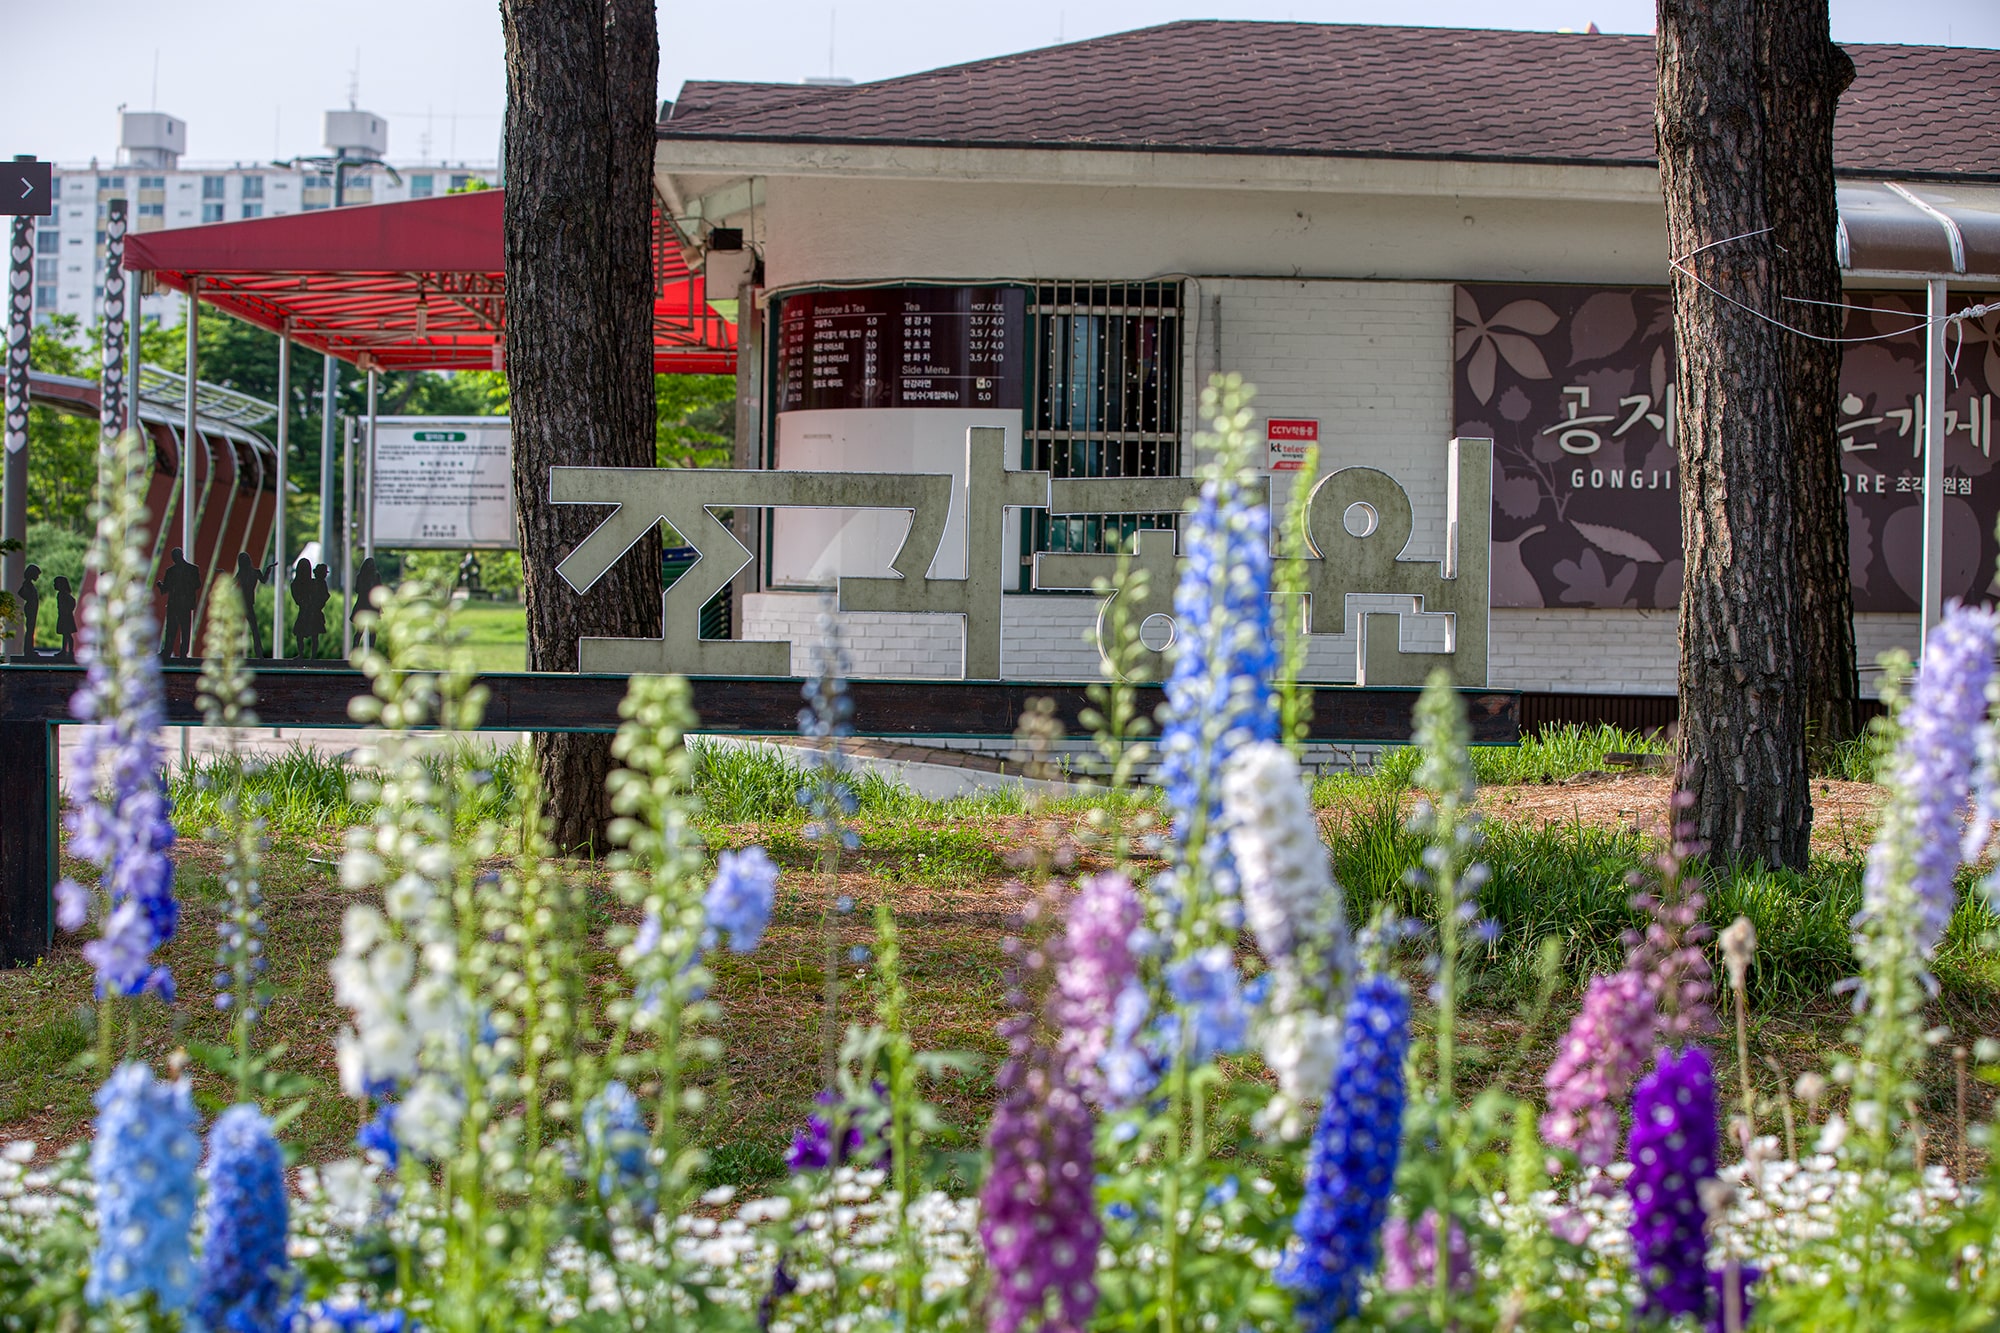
<point x="1105" y="401"/>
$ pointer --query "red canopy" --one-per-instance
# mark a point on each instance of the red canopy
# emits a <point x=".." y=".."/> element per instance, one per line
<point x="418" y="285"/>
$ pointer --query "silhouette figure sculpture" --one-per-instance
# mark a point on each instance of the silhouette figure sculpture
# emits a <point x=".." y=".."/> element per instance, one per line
<point x="65" y="619"/>
<point x="181" y="582"/>
<point x="366" y="581"/>
<point x="247" y="577"/>
<point x="31" y="603"/>
<point x="309" y="596"/>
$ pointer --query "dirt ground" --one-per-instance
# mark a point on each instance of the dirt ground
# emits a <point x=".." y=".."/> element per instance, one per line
<point x="1844" y="813"/>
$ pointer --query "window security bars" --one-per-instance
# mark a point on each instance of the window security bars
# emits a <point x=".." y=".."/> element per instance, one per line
<point x="1104" y="402"/>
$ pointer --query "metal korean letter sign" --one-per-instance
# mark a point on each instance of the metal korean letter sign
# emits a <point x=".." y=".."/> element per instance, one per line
<point x="1575" y="387"/>
<point x="442" y="483"/>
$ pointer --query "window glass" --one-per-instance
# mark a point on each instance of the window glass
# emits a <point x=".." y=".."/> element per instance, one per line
<point x="253" y="210"/>
<point x="253" y="187"/>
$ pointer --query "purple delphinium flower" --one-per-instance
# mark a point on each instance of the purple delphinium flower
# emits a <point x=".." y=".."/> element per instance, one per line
<point x="813" y="1147"/>
<point x="740" y="898"/>
<point x="1409" y="1254"/>
<point x="1602" y="1053"/>
<point x="1910" y="880"/>
<point x="1352" y="1164"/>
<point x="1218" y="693"/>
<point x="143" y="1162"/>
<point x="1037" y="1206"/>
<point x="1095" y="966"/>
<point x="123" y="827"/>
<point x="1718" y="1297"/>
<point x="1672" y="1149"/>
<point x="245" y="1285"/>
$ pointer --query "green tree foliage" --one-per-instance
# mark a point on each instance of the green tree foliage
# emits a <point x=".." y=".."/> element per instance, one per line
<point x="694" y="420"/>
<point x="62" y="447"/>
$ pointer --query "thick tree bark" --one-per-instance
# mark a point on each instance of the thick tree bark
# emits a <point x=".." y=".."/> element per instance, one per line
<point x="1742" y="744"/>
<point x="1803" y="75"/>
<point x="581" y="77"/>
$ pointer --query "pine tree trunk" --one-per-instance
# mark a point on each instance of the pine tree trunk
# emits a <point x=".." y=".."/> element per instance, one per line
<point x="581" y="76"/>
<point x="1742" y="743"/>
<point x="1804" y="74"/>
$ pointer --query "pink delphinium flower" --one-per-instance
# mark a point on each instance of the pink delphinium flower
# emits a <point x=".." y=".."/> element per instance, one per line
<point x="1607" y="1045"/>
<point x="1095" y="966"/>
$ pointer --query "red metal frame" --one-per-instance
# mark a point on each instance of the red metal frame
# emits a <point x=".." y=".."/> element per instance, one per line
<point x="417" y="285"/>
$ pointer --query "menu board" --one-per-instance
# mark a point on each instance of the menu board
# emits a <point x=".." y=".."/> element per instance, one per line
<point x="903" y="347"/>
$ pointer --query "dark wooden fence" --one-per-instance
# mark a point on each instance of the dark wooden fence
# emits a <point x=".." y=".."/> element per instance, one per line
<point x="34" y="700"/>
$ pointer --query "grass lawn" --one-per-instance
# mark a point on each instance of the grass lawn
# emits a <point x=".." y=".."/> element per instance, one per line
<point x="496" y="632"/>
<point x="1562" y="843"/>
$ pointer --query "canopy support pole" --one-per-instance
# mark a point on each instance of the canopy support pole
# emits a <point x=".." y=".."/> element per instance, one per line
<point x="347" y="543"/>
<point x="368" y="475"/>
<point x="190" y="429"/>
<point x="1933" y="507"/>
<point x="284" y="469"/>
<point x="329" y="387"/>
<point x="134" y="290"/>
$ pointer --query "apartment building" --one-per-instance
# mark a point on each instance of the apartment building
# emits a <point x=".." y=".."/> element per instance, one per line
<point x="162" y="191"/>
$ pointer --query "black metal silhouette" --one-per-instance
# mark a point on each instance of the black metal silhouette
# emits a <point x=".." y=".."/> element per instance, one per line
<point x="247" y="577"/>
<point x="181" y="582"/>
<point x="65" y="619"/>
<point x="309" y="595"/>
<point x="31" y="603"/>
<point x="366" y="581"/>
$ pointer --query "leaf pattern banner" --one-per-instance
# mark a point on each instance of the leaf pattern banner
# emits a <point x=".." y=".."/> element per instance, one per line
<point x="1575" y="387"/>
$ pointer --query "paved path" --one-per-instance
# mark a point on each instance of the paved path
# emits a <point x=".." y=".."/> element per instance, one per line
<point x="932" y="772"/>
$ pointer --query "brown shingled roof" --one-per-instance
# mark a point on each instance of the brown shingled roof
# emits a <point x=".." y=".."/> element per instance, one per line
<point x="1351" y="91"/>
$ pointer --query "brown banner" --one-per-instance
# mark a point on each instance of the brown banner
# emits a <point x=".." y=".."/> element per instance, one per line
<point x="1575" y="387"/>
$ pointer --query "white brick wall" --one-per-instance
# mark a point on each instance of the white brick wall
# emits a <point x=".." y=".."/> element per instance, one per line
<point x="1636" y="652"/>
<point x="1042" y="638"/>
<point x="1370" y="361"/>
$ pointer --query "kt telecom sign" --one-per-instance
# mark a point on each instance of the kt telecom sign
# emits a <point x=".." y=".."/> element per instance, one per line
<point x="1286" y="442"/>
<point x="27" y="188"/>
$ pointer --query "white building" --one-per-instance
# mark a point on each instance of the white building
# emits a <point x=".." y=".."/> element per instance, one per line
<point x="1400" y="235"/>
<point x="162" y="190"/>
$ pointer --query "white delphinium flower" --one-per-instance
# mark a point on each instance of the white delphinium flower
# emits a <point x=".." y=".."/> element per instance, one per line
<point x="427" y="1119"/>
<point x="1298" y="914"/>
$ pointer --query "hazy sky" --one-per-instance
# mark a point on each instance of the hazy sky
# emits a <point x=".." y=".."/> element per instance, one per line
<point x="251" y="77"/>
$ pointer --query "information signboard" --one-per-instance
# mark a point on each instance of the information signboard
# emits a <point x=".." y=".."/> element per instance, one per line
<point x="1575" y="387"/>
<point x="945" y="347"/>
<point x="1286" y="441"/>
<point x="442" y="483"/>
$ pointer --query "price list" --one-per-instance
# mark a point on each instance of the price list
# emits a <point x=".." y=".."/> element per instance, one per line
<point x="903" y="347"/>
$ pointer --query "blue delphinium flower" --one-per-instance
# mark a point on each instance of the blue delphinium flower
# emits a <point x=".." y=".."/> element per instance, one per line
<point x="352" y="1316"/>
<point x="1352" y="1164"/>
<point x="615" y="1130"/>
<point x="740" y="898"/>
<point x="1915" y="857"/>
<point x="1218" y="693"/>
<point x="1672" y="1150"/>
<point x="1210" y="992"/>
<point x="123" y="828"/>
<point x="1130" y="1065"/>
<point x="143" y="1162"/>
<point x="245" y="1277"/>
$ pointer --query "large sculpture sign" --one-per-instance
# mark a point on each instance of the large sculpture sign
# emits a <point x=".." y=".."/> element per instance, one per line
<point x="1358" y="525"/>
